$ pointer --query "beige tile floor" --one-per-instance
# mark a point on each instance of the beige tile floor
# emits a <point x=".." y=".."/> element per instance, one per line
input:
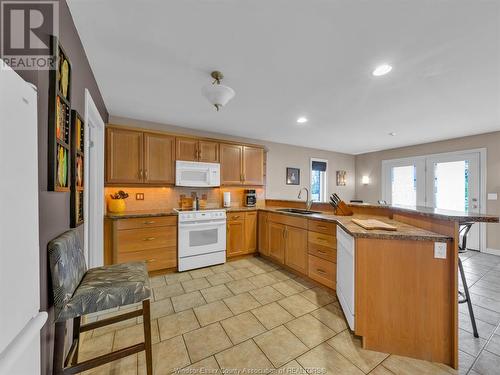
<point x="251" y="314"/>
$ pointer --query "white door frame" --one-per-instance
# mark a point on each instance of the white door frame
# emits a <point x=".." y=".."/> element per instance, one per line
<point x="419" y="160"/>
<point x="93" y="196"/>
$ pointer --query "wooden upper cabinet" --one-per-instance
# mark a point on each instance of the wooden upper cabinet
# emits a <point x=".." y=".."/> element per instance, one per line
<point x="159" y="158"/>
<point x="124" y="156"/>
<point x="251" y="231"/>
<point x="253" y="166"/>
<point x="230" y="164"/>
<point x="186" y="149"/>
<point x="276" y="244"/>
<point x="296" y="255"/>
<point x="208" y="151"/>
<point x="193" y="149"/>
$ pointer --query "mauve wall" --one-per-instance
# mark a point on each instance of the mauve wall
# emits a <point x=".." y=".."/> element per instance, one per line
<point x="54" y="207"/>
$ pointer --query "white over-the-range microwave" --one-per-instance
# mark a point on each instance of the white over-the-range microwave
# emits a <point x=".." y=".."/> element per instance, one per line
<point x="197" y="174"/>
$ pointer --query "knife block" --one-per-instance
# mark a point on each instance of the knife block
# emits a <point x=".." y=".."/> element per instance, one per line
<point x="343" y="209"/>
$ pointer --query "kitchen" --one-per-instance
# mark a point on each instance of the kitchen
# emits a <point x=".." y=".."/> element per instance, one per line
<point x="202" y="208"/>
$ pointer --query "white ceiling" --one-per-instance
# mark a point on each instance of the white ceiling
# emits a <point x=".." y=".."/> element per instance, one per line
<point x="291" y="58"/>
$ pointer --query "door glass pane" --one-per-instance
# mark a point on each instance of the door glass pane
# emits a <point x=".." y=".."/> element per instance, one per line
<point x="203" y="237"/>
<point x="404" y="185"/>
<point x="451" y="185"/>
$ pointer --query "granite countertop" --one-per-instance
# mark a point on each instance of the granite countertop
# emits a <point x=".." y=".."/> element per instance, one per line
<point x="459" y="216"/>
<point x="144" y="213"/>
<point x="403" y="232"/>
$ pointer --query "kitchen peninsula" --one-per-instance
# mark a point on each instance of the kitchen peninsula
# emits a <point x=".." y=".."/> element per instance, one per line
<point x="379" y="297"/>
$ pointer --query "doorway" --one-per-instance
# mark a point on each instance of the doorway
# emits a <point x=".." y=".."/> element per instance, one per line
<point x="93" y="198"/>
<point x="451" y="181"/>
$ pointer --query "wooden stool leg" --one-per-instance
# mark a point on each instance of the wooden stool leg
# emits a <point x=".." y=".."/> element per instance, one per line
<point x="58" y="364"/>
<point x="147" y="336"/>
<point x="76" y="336"/>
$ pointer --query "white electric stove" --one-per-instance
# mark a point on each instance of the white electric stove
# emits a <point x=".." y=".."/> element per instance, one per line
<point x="202" y="238"/>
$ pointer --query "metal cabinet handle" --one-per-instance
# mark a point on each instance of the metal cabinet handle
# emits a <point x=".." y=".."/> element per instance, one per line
<point x="322" y="227"/>
<point x="149" y="238"/>
<point x="320" y="270"/>
<point x="321" y="251"/>
<point x="149" y="222"/>
<point x="151" y="260"/>
<point x="146" y="174"/>
<point x="323" y="239"/>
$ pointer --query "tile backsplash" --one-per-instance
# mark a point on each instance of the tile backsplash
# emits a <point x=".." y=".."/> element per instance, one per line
<point x="159" y="198"/>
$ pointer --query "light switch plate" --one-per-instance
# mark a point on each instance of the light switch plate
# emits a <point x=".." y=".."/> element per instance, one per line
<point x="440" y="250"/>
<point x="492" y="196"/>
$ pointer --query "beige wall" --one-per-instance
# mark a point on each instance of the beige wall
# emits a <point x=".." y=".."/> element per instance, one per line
<point x="279" y="156"/>
<point x="371" y="165"/>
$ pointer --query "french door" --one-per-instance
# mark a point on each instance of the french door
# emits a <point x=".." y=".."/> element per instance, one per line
<point x="445" y="181"/>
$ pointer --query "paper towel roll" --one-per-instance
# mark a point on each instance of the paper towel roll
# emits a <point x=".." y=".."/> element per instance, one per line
<point x="227" y="199"/>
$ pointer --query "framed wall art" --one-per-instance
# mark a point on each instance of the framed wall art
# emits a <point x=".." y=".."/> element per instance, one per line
<point x="77" y="163"/>
<point x="292" y="176"/>
<point x="59" y="120"/>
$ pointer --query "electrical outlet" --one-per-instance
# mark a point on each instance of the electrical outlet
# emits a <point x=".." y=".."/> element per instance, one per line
<point x="440" y="250"/>
<point x="139" y="196"/>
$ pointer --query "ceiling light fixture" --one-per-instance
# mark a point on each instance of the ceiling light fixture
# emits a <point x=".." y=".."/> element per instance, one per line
<point x="217" y="94"/>
<point x="302" y="120"/>
<point x="382" y="70"/>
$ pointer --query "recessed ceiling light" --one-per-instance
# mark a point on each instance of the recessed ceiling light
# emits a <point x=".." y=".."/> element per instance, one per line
<point x="392" y="134"/>
<point x="382" y="70"/>
<point x="302" y="120"/>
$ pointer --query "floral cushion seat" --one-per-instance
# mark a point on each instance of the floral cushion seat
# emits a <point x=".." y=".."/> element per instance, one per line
<point x="79" y="292"/>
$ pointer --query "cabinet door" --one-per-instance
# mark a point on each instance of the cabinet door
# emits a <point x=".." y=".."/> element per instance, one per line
<point x="208" y="152"/>
<point x="253" y="166"/>
<point x="186" y="149"/>
<point x="235" y="239"/>
<point x="262" y="236"/>
<point x="276" y="246"/>
<point x="159" y="158"/>
<point x="230" y="164"/>
<point x="124" y="156"/>
<point x="296" y="255"/>
<point x="251" y="231"/>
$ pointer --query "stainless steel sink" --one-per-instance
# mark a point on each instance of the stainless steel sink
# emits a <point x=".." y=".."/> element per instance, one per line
<point x="298" y="211"/>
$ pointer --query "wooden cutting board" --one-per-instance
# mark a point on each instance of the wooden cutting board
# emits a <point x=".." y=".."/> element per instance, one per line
<point x="372" y="224"/>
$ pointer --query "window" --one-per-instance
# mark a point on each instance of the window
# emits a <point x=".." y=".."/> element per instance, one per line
<point x="319" y="180"/>
<point x="404" y="185"/>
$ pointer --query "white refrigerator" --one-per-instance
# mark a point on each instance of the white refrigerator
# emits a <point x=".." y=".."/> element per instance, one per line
<point x="20" y="316"/>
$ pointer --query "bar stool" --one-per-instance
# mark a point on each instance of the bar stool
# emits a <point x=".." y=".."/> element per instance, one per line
<point x="464" y="296"/>
<point x="78" y="291"/>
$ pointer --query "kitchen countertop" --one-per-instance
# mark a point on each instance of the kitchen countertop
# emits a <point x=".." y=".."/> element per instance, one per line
<point x="144" y="213"/>
<point x="450" y="215"/>
<point x="403" y="232"/>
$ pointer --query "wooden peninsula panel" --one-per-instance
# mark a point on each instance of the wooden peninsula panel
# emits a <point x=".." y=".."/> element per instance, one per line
<point x="405" y="298"/>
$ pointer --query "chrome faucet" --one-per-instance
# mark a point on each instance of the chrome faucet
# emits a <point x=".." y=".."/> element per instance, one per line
<point x="308" y="202"/>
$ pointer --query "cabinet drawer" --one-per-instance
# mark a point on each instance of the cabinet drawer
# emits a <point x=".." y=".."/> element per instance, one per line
<point x="156" y="259"/>
<point x="235" y="216"/>
<point x="322" y="271"/>
<point x="321" y="227"/>
<point x="324" y="252"/>
<point x="146" y="238"/>
<point x="321" y="239"/>
<point x="289" y="220"/>
<point x="146" y="222"/>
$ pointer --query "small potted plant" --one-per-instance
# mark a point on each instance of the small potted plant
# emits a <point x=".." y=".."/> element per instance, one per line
<point x="117" y="202"/>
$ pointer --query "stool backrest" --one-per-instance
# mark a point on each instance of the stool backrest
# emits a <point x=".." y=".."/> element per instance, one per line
<point x="67" y="267"/>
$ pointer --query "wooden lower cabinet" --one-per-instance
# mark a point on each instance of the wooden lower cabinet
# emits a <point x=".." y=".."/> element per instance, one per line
<point x="241" y="235"/>
<point x="263" y="237"/>
<point x="296" y="249"/>
<point x="307" y="246"/>
<point x="153" y="240"/>
<point x="276" y="247"/>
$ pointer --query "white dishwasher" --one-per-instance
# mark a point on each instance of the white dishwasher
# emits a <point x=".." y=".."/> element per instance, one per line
<point x="345" y="274"/>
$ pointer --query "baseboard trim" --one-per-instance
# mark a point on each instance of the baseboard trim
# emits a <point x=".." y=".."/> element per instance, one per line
<point x="492" y="251"/>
